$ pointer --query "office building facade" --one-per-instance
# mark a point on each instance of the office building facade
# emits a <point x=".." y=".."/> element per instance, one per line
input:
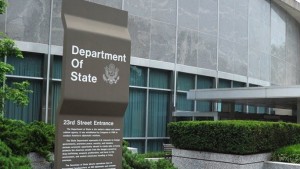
<point x="177" y="45"/>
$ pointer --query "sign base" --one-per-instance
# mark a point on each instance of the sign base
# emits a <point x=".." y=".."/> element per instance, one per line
<point x="90" y="142"/>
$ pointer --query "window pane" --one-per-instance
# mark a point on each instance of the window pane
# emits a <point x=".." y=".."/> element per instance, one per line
<point x="138" y="76"/>
<point x="32" y="111"/>
<point x="185" y="82"/>
<point x="238" y="84"/>
<point x="224" y="83"/>
<point x="56" y="88"/>
<point x="158" y="113"/>
<point x="262" y="110"/>
<point x="183" y="104"/>
<point x="224" y="107"/>
<point x="204" y="82"/>
<point x="57" y="67"/>
<point x="30" y="65"/>
<point x="159" y="79"/>
<point x="252" y="109"/>
<point x="139" y="144"/>
<point x="204" y="106"/>
<point x="135" y="115"/>
<point x="238" y="107"/>
<point x="156" y="145"/>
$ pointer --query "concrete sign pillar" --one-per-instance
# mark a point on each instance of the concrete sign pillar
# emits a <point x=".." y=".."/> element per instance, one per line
<point x="95" y="86"/>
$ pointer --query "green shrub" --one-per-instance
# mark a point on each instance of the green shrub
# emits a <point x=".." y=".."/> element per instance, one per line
<point x="20" y="138"/>
<point x="233" y="136"/>
<point x="5" y="155"/>
<point x="5" y="151"/>
<point x="20" y="162"/>
<point x="289" y="154"/>
<point x="137" y="161"/>
<point x="23" y="138"/>
<point x="40" y="138"/>
<point x="131" y="161"/>
<point x="9" y="161"/>
<point x="5" y="163"/>
<point x="14" y="133"/>
<point x="153" y="155"/>
<point x="164" y="164"/>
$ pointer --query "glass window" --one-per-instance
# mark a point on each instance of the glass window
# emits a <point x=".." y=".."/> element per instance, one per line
<point x="238" y="107"/>
<point x="159" y="79"/>
<point x="158" y="113"/>
<point x="238" y="84"/>
<point x="185" y="82"/>
<point x="32" y="111"/>
<point x="253" y="85"/>
<point x="138" y="76"/>
<point x="204" y="106"/>
<point x="224" y="107"/>
<point x="204" y="82"/>
<point x="30" y="65"/>
<point x="262" y="110"/>
<point x="252" y="109"/>
<point x="224" y="83"/>
<point x="139" y="144"/>
<point x="56" y="89"/>
<point x="156" y="145"/>
<point x="135" y="115"/>
<point x="183" y="104"/>
<point x="57" y="67"/>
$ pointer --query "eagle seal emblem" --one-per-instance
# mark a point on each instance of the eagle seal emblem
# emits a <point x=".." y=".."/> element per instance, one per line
<point x="111" y="75"/>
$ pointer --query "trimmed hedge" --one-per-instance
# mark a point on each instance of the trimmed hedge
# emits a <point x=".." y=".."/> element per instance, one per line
<point x="289" y="154"/>
<point x="233" y="136"/>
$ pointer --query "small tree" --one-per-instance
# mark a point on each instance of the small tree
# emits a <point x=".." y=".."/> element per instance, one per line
<point x="18" y="91"/>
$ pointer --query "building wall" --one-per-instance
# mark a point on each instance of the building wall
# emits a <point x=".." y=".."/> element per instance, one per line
<point x="250" y="39"/>
<point x="176" y="44"/>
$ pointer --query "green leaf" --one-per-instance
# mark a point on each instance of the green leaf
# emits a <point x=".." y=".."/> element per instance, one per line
<point x="8" y="48"/>
<point x="18" y="93"/>
<point x="3" y="5"/>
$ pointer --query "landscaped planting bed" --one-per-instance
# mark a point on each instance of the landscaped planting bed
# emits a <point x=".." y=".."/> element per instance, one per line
<point x="18" y="139"/>
<point x="231" y="144"/>
<point x="288" y="154"/>
<point x="233" y="136"/>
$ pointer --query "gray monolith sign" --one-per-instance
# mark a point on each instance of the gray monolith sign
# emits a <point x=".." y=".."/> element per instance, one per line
<point x="95" y="86"/>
